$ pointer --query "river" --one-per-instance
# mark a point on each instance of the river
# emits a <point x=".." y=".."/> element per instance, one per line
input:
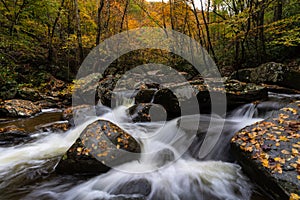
<point x="27" y="170"/>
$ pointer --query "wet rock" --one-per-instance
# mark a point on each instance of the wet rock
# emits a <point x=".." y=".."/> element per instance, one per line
<point x="68" y="113"/>
<point x="12" y="135"/>
<point x="59" y="126"/>
<point x="105" y="88"/>
<point x="272" y="73"/>
<point x="102" y="142"/>
<point x="138" y="186"/>
<point x="78" y="160"/>
<point x="166" y="98"/>
<point x="18" y="108"/>
<point x="163" y="157"/>
<point x="147" y="112"/>
<point x="269" y="151"/>
<point x="144" y="96"/>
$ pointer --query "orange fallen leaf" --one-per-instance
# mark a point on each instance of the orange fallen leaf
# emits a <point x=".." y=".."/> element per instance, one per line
<point x="285" y="152"/>
<point x="295" y="152"/>
<point x="294" y="196"/>
<point x="265" y="163"/>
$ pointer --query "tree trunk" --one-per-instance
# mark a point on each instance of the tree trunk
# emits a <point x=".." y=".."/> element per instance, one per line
<point x="79" y="38"/>
<point x="50" y="50"/>
<point x="278" y="11"/>
<point x="101" y="5"/>
<point x="123" y="16"/>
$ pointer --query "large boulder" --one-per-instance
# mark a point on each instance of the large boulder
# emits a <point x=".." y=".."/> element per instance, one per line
<point x="101" y="143"/>
<point x="272" y="73"/>
<point x="269" y="152"/>
<point x="18" y="108"/>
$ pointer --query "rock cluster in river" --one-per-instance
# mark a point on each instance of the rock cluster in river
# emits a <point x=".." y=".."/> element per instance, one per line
<point x="172" y="96"/>
<point x="269" y="152"/>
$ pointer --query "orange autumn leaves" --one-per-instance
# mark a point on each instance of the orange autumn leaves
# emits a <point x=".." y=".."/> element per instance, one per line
<point x="274" y="142"/>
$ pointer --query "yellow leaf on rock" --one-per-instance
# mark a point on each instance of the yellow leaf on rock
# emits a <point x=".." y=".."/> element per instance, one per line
<point x="285" y="152"/>
<point x="295" y="152"/>
<point x="250" y="149"/>
<point x="283" y="138"/>
<point x="265" y="163"/>
<point x="294" y="196"/>
<point x="281" y="160"/>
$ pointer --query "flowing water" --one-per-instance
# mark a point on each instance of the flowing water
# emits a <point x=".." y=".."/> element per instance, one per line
<point x="205" y="170"/>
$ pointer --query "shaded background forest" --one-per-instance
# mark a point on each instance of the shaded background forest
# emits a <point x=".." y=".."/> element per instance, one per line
<point x="42" y="36"/>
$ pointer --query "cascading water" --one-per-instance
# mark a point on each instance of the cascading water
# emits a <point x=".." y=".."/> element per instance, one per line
<point x="26" y="170"/>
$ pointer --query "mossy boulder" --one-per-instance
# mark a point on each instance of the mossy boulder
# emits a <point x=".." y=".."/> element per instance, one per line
<point x="271" y="73"/>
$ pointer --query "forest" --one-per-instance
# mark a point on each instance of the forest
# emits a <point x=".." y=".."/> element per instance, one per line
<point x="55" y="36"/>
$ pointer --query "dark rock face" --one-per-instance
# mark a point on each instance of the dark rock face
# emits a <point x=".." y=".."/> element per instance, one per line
<point x="144" y="96"/>
<point x="102" y="142"/>
<point x="147" y="112"/>
<point x="78" y="160"/>
<point x="105" y="88"/>
<point x="18" y="108"/>
<point x="272" y="73"/>
<point x="269" y="152"/>
<point x="169" y="101"/>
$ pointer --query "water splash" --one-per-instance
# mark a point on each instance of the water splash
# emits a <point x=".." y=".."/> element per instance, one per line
<point x="185" y="178"/>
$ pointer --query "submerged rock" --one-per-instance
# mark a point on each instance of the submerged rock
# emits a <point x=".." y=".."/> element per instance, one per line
<point x="138" y="187"/>
<point x="101" y="143"/>
<point x="269" y="152"/>
<point x="18" y="108"/>
<point x="59" y="126"/>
